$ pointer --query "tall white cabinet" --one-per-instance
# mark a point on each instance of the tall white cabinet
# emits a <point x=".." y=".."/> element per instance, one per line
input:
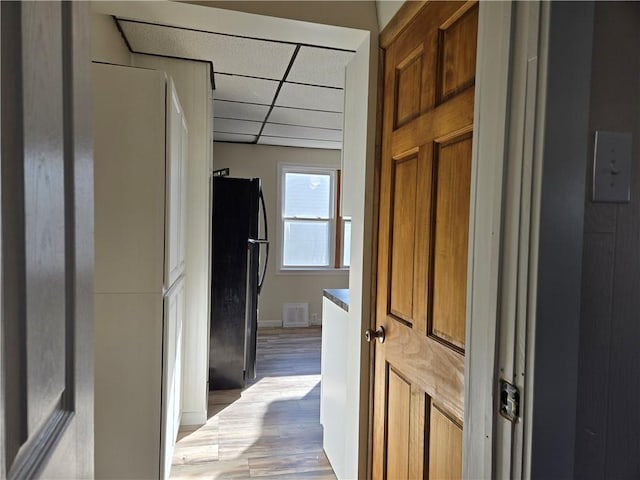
<point x="140" y="142"/>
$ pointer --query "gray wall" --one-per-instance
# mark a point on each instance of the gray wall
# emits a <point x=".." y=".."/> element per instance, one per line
<point x="560" y="239"/>
<point x="608" y="413"/>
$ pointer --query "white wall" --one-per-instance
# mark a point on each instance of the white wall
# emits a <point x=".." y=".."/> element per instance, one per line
<point x="250" y="161"/>
<point x="386" y="9"/>
<point x="107" y="44"/>
<point x="194" y="90"/>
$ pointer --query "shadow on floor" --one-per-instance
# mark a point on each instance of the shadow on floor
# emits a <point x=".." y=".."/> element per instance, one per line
<point x="271" y="429"/>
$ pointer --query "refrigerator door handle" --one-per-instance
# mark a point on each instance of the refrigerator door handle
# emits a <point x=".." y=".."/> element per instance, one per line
<point x="265" y="241"/>
<point x="258" y="242"/>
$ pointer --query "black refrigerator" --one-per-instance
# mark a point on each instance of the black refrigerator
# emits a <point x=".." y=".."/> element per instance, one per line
<point x="240" y="251"/>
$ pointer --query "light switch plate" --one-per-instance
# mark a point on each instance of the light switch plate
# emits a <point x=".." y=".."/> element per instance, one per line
<point x="612" y="167"/>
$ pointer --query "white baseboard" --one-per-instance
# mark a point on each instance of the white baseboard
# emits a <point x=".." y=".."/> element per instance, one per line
<point x="270" y="323"/>
<point x="193" y="418"/>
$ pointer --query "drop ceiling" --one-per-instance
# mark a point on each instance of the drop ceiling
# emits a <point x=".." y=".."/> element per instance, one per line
<point x="266" y="92"/>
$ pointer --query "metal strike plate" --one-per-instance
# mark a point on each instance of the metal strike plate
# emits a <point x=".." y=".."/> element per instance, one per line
<point x="612" y="167"/>
<point x="509" y="401"/>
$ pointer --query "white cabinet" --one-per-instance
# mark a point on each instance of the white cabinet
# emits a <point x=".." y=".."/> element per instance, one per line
<point x="333" y="392"/>
<point x="140" y="139"/>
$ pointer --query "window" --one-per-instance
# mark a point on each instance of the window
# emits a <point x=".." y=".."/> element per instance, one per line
<point x="308" y="219"/>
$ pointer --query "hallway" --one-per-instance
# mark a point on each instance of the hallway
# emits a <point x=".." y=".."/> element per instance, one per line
<point x="271" y="428"/>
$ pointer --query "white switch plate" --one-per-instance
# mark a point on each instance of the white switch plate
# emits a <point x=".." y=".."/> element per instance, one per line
<point x="612" y="167"/>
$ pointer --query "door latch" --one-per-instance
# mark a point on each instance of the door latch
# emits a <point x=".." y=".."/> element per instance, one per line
<point x="509" y="401"/>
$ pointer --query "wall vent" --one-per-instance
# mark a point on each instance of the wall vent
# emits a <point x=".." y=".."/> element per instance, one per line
<point x="295" y="315"/>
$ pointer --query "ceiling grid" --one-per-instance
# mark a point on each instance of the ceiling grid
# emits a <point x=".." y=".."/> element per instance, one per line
<point x="266" y="92"/>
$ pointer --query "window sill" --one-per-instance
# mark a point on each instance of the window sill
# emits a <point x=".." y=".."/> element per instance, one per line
<point x="312" y="271"/>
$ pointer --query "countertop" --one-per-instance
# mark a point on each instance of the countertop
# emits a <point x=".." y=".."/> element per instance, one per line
<point x="339" y="296"/>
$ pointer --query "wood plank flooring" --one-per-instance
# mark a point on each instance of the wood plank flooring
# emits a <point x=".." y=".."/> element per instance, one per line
<point x="271" y="429"/>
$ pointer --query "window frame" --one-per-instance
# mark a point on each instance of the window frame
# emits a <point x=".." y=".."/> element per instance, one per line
<point x="283" y="169"/>
<point x="344" y="221"/>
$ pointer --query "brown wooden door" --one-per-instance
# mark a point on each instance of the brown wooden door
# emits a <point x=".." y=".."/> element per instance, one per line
<point x="46" y="260"/>
<point x="423" y="244"/>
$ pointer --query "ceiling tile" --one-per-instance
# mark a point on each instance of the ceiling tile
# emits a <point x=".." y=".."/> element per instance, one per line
<point x="306" y="118"/>
<point x="320" y="66"/>
<point x="316" y="98"/>
<point x="239" y="111"/>
<point x="224" y="125"/>
<point x="308" y="133"/>
<point x="296" y="142"/>
<point x="242" y="89"/>
<point x="242" y="56"/>
<point x="233" y="137"/>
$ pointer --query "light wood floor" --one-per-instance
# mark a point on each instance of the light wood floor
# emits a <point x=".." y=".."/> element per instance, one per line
<point x="271" y="429"/>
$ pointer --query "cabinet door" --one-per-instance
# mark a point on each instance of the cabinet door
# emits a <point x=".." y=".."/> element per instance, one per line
<point x="175" y="166"/>
<point x="129" y="179"/>
<point x="171" y="372"/>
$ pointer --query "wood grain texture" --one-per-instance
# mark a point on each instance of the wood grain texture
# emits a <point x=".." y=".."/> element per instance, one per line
<point x="599" y="217"/>
<point x="47" y="388"/>
<point x="270" y="429"/>
<point x="374" y="256"/>
<point x="451" y="238"/>
<point x="408" y="88"/>
<point x="398" y="426"/>
<point x="418" y="427"/>
<point x="608" y="421"/>
<point x="13" y="236"/>
<point x="427" y="366"/>
<point x="435" y="367"/>
<point x="445" y="446"/>
<point x="458" y="51"/>
<point x="403" y="237"/>
<point x="595" y="342"/>
<point x="400" y="21"/>
<point x="452" y="116"/>
<point x="44" y="192"/>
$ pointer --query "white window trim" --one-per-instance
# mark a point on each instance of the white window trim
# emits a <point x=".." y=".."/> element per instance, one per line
<point x="345" y="220"/>
<point x="311" y="169"/>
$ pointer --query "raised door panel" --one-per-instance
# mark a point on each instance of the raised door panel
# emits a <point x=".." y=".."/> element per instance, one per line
<point x="423" y="244"/>
<point x="398" y="426"/>
<point x="445" y="445"/>
<point x="46" y="387"/>
<point x="171" y="373"/>
<point x="129" y="178"/>
<point x="179" y="361"/>
<point x="402" y="243"/>
<point x="175" y="186"/>
<point x="450" y="245"/>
